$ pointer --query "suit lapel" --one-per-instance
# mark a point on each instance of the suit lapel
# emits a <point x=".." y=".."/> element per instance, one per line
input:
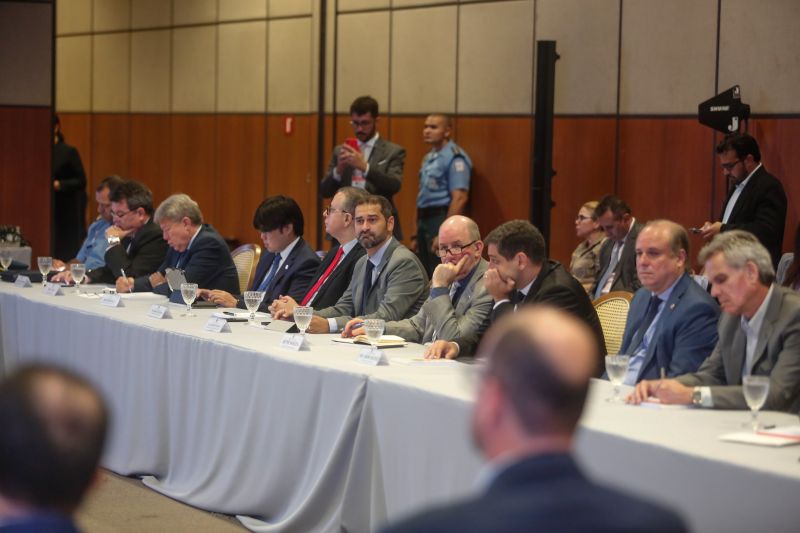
<point x="771" y="317"/>
<point x="665" y="318"/>
<point x="286" y="266"/>
<point x="382" y="265"/>
<point x="738" y="348"/>
<point x="466" y="296"/>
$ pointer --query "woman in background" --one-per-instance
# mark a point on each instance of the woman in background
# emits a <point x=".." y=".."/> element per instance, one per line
<point x="585" y="263"/>
<point x="69" y="196"/>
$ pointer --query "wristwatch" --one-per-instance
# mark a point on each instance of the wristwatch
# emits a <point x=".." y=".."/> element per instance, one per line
<point x="697" y="397"/>
<point x="113" y="240"/>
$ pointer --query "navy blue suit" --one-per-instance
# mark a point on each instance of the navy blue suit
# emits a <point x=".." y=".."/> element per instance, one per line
<point x="685" y="334"/>
<point x="39" y="523"/>
<point x="206" y="262"/>
<point x="294" y="277"/>
<point x="545" y="493"/>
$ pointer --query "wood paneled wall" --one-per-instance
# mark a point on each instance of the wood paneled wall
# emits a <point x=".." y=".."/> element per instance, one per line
<point x="25" y="153"/>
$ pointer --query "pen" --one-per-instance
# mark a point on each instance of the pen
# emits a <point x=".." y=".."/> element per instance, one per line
<point x="663" y="375"/>
<point x="122" y="270"/>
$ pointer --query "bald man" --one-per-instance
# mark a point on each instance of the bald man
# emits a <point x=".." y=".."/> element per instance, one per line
<point x="538" y="365"/>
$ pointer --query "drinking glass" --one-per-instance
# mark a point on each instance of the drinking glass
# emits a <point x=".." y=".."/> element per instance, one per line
<point x="616" y="367"/>
<point x="302" y="317"/>
<point x="45" y="266"/>
<point x="5" y="257"/>
<point x="78" y="271"/>
<point x="373" y="327"/>
<point x="755" y="390"/>
<point x="189" y="293"/>
<point x="252" y="299"/>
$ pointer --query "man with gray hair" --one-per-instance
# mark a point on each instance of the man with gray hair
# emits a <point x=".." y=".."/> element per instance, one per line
<point x="759" y="333"/>
<point x="194" y="247"/>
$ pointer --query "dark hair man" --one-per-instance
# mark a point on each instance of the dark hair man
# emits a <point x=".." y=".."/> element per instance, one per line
<point x="617" y="255"/>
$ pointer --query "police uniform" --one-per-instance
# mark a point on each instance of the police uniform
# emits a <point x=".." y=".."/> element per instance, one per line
<point x="442" y="172"/>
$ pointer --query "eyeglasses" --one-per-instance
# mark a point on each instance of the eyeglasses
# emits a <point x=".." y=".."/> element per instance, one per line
<point x="361" y="123"/>
<point x="729" y="166"/>
<point x="453" y="250"/>
<point x="581" y="218"/>
<point x="331" y="210"/>
<point x="118" y="214"/>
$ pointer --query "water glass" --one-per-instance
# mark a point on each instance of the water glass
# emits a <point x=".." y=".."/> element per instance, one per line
<point x="45" y="266"/>
<point x="189" y="293"/>
<point x="5" y="257"/>
<point x="373" y="327"/>
<point x="302" y="317"/>
<point x="756" y="389"/>
<point x="78" y="271"/>
<point x="616" y="368"/>
<point x="252" y="299"/>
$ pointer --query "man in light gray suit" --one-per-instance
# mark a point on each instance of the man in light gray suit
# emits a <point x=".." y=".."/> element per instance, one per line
<point x="389" y="282"/>
<point x="368" y="161"/>
<point x="759" y="333"/>
<point x="459" y="305"/>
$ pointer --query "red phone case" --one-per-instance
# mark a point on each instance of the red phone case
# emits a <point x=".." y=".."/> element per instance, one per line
<point x="352" y="142"/>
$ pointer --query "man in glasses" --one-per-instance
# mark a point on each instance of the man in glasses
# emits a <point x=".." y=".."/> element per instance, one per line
<point x="756" y="202"/>
<point x="368" y="161"/>
<point x="135" y="243"/>
<point x="459" y="305"/>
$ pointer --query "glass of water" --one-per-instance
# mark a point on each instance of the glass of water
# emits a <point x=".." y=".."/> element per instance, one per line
<point x="5" y="257"/>
<point x="302" y="317"/>
<point x="373" y="327"/>
<point x="189" y="293"/>
<point x="755" y="390"/>
<point x="616" y="368"/>
<point x="252" y="299"/>
<point x="45" y="266"/>
<point x="78" y="271"/>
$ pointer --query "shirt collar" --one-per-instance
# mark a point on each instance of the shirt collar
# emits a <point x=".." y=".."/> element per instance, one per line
<point x="625" y="238"/>
<point x="527" y="288"/>
<point x="286" y="251"/>
<point x="378" y="256"/>
<point x="346" y="247"/>
<point x="194" y="236"/>
<point x="754" y="324"/>
<point x="745" y="181"/>
<point x="370" y="143"/>
<point x="666" y="293"/>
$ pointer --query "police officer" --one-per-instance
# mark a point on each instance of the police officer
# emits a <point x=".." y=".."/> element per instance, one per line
<point x="443" y="186"/>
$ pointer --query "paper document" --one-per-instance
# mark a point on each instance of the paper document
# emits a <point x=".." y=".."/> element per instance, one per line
<point x="421" y="361"/>
<point x="387" y="341"/>
<point x="747" y="437"/>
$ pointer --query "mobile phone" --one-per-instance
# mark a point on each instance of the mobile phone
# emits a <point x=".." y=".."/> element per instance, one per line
<point x="352" y="142"/>
<point x="696" y="230"/>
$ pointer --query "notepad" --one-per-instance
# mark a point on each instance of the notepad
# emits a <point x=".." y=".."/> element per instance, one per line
<point x="759" y="439"/>
<point x="387" y="341"/>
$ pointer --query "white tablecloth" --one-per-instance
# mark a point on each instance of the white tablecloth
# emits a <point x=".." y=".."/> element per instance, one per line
<point x="312" y="441"/>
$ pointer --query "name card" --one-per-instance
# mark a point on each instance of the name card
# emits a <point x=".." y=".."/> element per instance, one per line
<point x="282" y="326"/>
<point x="372" y="357"/>
<point x="294" y="342"/>
<point x="52" y="289"/>
<point x="217" y="325"/>
<point x="111" y="300"/>
<point x="159" y="311"/>
<point x="22" y="281"/>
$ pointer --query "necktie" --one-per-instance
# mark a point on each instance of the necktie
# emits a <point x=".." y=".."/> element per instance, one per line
<point x="271" y="274"/>
<point x="310" y="294"/>
<point x="649" y="316"/>
<point x="455" y="292"/>
<point x="367" y="286"/>
<point x="609" y="271"/>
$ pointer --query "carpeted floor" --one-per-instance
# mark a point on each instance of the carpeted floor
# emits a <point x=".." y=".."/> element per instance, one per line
<point x="120" y="505"/>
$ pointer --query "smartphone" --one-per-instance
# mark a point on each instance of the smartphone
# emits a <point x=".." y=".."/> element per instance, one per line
<point x="352" y="142"/>
<point x="696" y="230"/>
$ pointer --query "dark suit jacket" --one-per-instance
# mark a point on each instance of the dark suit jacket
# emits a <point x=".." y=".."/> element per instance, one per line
<point x="777" y="355"/>
<point x="69" y="202"/>
<point x="555" y="286"/>
<point x="625" y="277"/>
<point x="147" y="251"/>
<point x="339" y="279"/>
<point x="761" y="210"/>
<point x="544" y="493"/>
<point x="39" y="523"/>
<point x="206" y="262"/>
<point x="684" y="335"/>
<point x="384" y="177"/>
<point x="294" y="277"/>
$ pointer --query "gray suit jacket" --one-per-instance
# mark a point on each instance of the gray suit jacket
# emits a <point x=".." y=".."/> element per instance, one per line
<point x="399" y="290"/>
<point x="777" y="355"/>
<point x="437" y="319"/>
<point x="625" y="277"/>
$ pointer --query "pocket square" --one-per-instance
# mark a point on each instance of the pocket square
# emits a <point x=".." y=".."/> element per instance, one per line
<point x="382" y="162"/>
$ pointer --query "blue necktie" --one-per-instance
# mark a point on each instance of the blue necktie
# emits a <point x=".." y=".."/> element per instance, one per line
<point x="649" y="316"/>
<point x="271" y="274"/>
<point x="367" y="286"/>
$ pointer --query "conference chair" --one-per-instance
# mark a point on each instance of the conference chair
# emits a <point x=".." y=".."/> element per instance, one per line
<point x="612" y="309"/>
<point x="246" y="257"/>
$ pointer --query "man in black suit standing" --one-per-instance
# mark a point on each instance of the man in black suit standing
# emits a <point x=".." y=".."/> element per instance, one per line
<point x="618" y="253"/>
<point x="529" y="400"/>
<point x="756" y="201"/>
<point x="375" y="164"/>
<point x="334" y="273"/>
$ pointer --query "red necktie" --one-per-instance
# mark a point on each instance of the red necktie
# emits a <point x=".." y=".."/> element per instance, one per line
<point x="324" y="276"/>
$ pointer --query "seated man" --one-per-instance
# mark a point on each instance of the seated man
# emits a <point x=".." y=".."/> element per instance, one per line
<point x="389" y="282"/>
<point x="333" y="275"/>
<point x="759" y="333"/>
<point x="135" y="244"/>
<point x="288" y="266"/>
<point x="195" y="248"/>
<point x="53" y="429"/>
<point x="93" y="250"/>
<point x="520" y="273"/>
<point x="529" y="401"/>
<point x="672" y="322"/>
<point x="458" y="306"/>
<point x="617" y="258"/>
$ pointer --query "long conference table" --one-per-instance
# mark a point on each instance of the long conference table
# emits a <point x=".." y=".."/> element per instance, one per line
<point x="314" y="441"/>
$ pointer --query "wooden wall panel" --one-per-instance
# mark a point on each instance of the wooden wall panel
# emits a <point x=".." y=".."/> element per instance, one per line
<point x="584" y="159"/>
<point x="500" y="151"/>
<point x="151" y="155"/>
<point x="25" y="174"/>
<point x="111" y="134"/>
<point x="77" y="129"/>
<point x="193" y="161"/>
<point x="241" y="163"/>
<point x="407" y="132"/>
<point x="291" y="168"/>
